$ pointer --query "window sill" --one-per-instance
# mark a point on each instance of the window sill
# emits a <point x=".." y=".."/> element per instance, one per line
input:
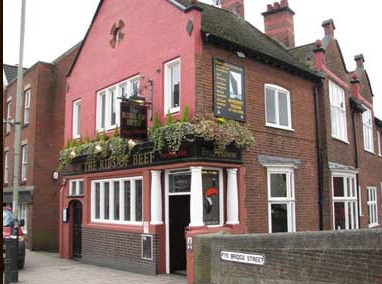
<point x="75" y="196"/>
<point x="373" y="225"/>
<point x="23" y="182"/>
<point x="341" y="140"/>
<point x="279" y="127"/>
<point x="7" y="134"/>
<point x="370" y="152"/>
<point x="25" y="125"/>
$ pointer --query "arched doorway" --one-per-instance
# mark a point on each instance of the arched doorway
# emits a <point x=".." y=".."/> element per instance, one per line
<point x="77" y="229"/>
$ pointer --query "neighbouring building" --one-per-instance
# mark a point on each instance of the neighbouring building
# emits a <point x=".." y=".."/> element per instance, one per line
<point x="141" y="213"/>
<point x="9" y="73"/>
<point x="42" y="123"/>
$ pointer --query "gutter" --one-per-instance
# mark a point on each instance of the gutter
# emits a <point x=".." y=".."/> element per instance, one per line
<point x="319" y="159"/>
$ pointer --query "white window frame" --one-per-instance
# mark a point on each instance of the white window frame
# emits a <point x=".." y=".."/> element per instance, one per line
<point x="124" y="89"/>
<point x="368" y="137"/>
<point x="27" y="103"/>
<point x="338" y="112"/>
<point x="76" y="191"/>
<point x="9" y="116"/>
<point x="121" y="220"/>
<point x="372" y="206"/>
<point x="379" y="143"/>
<point x="76" y="119"/>
<point x="23" y="214"/>
<point x="289" y="200"/>
<point x="24" y="162"/>
<point x="167" y="86"/>
<point x="6" y="166"/>
<point x="346" y="199"/>
<point x="277" y="90"/>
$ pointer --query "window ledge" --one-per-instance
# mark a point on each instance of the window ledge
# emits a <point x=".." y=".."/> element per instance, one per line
<point x="341" y="140"/>
<point x="373" y="225"/>
<point x="72" y="196"/>
<point x="370" y="152"/>
<point x="279" y="127"/>
<point x="23" y="182"/>
<point x="25" y="125"/>
<point x="174" y="110"/>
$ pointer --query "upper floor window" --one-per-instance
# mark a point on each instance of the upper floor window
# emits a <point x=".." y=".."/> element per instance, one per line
<point x="6" y="166"/>
<point x="379" y="144"/>
<point x="172" y="86"/>
<point x="76" y="118"/>
<point x="24" y="162"/>
<point x="9" y="117"/>
<point x="338" y="112"/>
<point x="372" y="206"/>
<point x="281" y="200"/>
<point x="278" y="109"/>
<point x="76" y="187"/>
<point x="108" y="102"/>
<point x="368" y="141"/>
<point x="27" y="102"/>
<point x="345" y="204"/>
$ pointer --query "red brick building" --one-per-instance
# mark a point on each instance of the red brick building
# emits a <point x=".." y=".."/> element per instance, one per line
<point x="140" y="215"/>
<point x="42" y="121"/>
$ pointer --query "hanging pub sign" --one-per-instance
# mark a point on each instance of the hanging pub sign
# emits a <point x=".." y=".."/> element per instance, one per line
<point x="229" y="92"/>
<point x="133" y="121"/>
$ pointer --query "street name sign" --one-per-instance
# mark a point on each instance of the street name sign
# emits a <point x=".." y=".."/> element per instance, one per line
<point x="257" y="259"/>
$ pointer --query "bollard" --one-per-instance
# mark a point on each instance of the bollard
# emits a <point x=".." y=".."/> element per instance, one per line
<point x="14" y="251"/>
<point x="7" y="261"/>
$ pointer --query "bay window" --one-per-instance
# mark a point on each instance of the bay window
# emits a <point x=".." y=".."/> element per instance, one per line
<point x="117" y="201"/>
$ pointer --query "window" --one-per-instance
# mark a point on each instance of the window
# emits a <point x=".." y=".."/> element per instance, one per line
<point x="379" y="144"/>
<point x="367" y="119"/>
<point x="117" y="201"/>
<point x="277" y="105"/>
<point x="172" y="86"/>
<point x="76" y="187"/>
<point x="23" y="214"/>
<point x="281" y="200"/>
<point x="27" y="101"/>
<point x="372" y="206"/>
<point x="24" y="162"/>
<point x="345" y="204"/>
<point x="76" y="118"/>
<point x="9" y="117"/>
<point x="108" y="102"/>
<point x="338" y="112"/>
<point x="6" y="166"/>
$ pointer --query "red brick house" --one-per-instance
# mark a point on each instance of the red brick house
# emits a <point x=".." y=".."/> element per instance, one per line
<point x="140" y="215"/>
<point x="42" y="118"/>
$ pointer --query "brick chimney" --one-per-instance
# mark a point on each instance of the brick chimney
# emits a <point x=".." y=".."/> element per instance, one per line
<point x="329" y="27"/>
<point x="359" y="60"/>
<point x="278" y="23"/>
<point x="234" y="6"/>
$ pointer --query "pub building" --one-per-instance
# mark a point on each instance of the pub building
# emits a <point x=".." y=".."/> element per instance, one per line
<point x="136" y="205"/>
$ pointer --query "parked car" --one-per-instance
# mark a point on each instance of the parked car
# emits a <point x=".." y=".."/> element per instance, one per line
<point x="7" y="222"/>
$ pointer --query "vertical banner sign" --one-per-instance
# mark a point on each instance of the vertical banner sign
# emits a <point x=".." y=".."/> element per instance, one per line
<point x="229" y="92"/>
<point x="133" y="121"/>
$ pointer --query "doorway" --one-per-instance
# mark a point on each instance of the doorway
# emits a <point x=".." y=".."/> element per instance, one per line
<point x="179" y="219"/>
<point x="77" y="229"/>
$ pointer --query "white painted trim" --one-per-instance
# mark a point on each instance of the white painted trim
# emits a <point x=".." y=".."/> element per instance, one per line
<point x="76" y="115"/>
<point x="277" y="88"/>
<point x="167" y="91"/>
<point x="9" y="99"/>
<point x="372" y="203"/>
<point x="26" y="87"/>
<point x="331" y="86"/>
<point x="77" y="181"/>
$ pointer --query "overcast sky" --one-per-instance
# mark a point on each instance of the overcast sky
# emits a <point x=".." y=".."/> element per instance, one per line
<point x="53" y="26"/>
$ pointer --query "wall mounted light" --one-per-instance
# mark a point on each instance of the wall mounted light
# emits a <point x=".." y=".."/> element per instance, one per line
<point x="55" y="176"/>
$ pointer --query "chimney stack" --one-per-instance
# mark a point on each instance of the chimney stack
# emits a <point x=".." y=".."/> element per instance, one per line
<point x="329" y="27"/>
<point x="234" y="6"/>
<point x="359" y="60"/>
<point x="278" y="23"/>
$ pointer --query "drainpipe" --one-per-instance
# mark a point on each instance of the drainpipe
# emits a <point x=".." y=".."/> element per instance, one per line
<point x="319" y="159"/>
<point x="356" y="164"/>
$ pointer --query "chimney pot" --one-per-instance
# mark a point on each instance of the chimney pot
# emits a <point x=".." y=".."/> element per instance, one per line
<point x="269" y="7"/>
<point x="276" y="5"/>
<point x="329" y="27"/>
<point x="284" y="3"/>
<point x="359" y="59"/>
<point x="318" y="43"/>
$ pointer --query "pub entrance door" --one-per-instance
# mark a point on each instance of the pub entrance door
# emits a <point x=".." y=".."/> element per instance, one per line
<point x="77" y="229"/>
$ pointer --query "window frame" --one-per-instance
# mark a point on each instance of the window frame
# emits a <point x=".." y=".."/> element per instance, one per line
<point x="346" y="200"/>
<point x="372" y="206"/>
<point x="76" y="122"/>
<point x="76" y="192"/>
<point x="340" y="112"/>
<point x="368" y="130"/>
<point x="168" y="96"/>
<point x="289" y="200"/>
<point x="379" y="143"/>
<point x="277" y="90"/>
<point x="24" y="162"/>
<point x="27" y="102"/>
<point x="121" y="219"/>
<point x="104" y="120"/>
<point x="6" y="166"/>
<point x="9" y="116"/>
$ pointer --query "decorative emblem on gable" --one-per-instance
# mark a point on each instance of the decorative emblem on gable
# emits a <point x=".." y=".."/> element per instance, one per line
<point x="116" y="33"/>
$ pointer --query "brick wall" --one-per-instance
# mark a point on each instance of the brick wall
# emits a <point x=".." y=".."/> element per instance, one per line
<point x="312" y="257"/>
<point x="119" y="250"/>
<point x="298" y="144"/>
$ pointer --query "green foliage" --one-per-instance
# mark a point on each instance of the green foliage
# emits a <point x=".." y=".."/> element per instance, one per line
<point x="169" y="119"/>
<point x="104" y="137"/>
<point x="97" y="138"/>
<point x="68" y="144"/>
<point x="116" y="132"/>
<point x="185" y="113"/>
<point x="73" y="143"/>
<point x="157" y="122"/>
<point x="87" y="139"/>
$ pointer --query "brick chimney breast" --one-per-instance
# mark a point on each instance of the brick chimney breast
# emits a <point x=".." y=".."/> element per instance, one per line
<point x="234" y="6"/>
<point x="278" y="23"/>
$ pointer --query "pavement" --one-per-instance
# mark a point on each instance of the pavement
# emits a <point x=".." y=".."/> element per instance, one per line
<point x="44" y="268"/>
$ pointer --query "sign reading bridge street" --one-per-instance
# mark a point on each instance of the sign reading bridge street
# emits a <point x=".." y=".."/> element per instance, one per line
<point x="229" y="93"/>
<point x="257" y="259"/>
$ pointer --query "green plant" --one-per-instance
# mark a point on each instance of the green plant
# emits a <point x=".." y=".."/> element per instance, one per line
<point x="185" y="113"/>
<point x="169" y="119"/>
<point x="157" y="122"/>
<point x="116" y="132"/>
<point x="104" y="137"/>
